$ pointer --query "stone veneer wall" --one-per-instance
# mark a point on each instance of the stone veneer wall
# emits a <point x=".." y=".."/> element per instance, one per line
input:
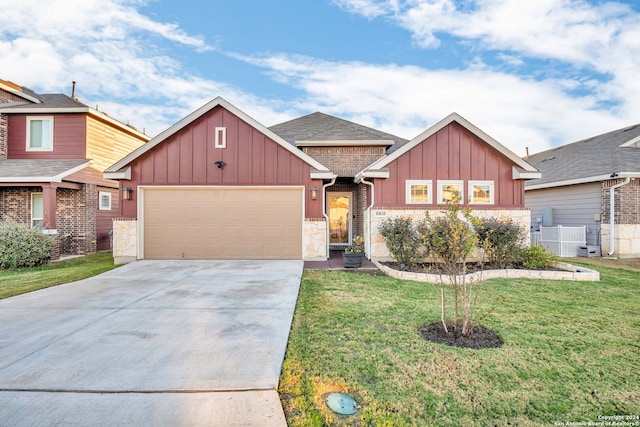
<point x="378" y="248"/>
<point x="314" y="239"/>
<point x="627" y="219"/>
<point x="125" y="240"/>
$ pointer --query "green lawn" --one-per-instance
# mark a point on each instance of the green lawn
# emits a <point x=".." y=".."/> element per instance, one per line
<point x="571" y="353"/>
<point x="16" y="282"/>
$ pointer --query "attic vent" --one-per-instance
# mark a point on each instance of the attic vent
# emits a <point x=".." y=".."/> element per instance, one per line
<point x="630" y="128"/>
<point x="550" y="158"/>
<point x="220" y="137"/>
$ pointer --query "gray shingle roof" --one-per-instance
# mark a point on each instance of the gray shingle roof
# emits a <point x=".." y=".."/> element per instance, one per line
<point x="42" y="169"/>
<point x="49" y="100"/>
<point x="595" y="156"/>
<point x="323" y="127"/>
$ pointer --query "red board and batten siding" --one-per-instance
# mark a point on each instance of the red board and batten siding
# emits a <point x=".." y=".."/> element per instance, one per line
<point x="453" y="153"/>
<point x="251" y="159"/>
<point x="69" y="137"/>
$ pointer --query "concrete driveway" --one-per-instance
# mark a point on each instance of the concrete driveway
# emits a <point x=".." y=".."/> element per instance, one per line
<point x="165" y="343"/>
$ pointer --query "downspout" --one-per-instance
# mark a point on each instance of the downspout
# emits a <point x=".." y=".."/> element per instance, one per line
<point x="612" y="209"/>
<point x="369" y="234"/>
<point x="324" y="211"/>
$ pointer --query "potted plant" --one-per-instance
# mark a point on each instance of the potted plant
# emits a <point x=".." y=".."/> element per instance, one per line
<point x="353" y="254"/>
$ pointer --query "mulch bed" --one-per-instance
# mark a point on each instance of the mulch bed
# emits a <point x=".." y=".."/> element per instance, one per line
<point x="478" y="338"/>
<point x="436" y="268"/>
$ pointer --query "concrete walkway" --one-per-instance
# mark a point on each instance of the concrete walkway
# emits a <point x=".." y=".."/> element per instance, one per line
<point x="163" y="343"/>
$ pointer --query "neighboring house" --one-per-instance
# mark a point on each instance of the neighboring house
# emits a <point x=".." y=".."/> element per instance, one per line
<point x="218" y="184"/>
<point x="575" y="189"/>
<point x="53" y="150"/>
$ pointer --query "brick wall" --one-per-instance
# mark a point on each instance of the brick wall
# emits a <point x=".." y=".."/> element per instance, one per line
<point x="626" y="199"/>
<point x="76" y="220"/>
<point x="346" y="161"/>
<point x="75" y="216"/>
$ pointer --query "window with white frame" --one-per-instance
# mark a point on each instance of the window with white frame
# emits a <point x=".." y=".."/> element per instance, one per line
<point x="39" y="133"/>
<point x="481" y="192"/>
<point x="418" y="191"/>
<point x="448" y="190"/>
<point x="104" y="201"/>
<point x="37" y="210"/>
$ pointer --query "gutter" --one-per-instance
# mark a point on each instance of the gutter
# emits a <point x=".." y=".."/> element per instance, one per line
<point x="324" y="211"/>
<point x="369" y="234"/>
<point x="612" y="212"/>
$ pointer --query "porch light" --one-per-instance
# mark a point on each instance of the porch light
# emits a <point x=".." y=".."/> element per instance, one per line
<point x="314" y="193"/>
<point x="127" y="192"/>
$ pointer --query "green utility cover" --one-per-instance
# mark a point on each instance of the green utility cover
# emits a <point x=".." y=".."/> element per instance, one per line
<point x="342" y="404"/>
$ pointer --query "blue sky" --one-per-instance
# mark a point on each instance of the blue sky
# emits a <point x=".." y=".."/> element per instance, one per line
<point x="531" y="74"/>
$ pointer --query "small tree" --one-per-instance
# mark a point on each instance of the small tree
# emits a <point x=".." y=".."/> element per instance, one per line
<point x="401" y="239"/>
<point x="452" y="239"/>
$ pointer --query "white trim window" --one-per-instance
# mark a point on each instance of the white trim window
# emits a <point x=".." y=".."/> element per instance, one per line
<point x="37" y="211"/>
<point x="39" y="133"/>
<point x="481" y="192"/>
<point x="418" y="192"/>
<point x="104" y="201"/>
<point x="447" y="191"/>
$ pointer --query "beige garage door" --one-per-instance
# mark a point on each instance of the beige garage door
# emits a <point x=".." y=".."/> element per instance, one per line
<point x="217" y="223"/>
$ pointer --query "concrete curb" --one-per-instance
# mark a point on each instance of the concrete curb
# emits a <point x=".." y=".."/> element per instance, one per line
<point x="570" y="272"/>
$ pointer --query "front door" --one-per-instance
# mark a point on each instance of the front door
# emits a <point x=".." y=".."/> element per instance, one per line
<point x="339" y="209"/>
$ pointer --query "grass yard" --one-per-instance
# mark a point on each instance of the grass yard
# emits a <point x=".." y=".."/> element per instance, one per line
<point x="571" y="353"/>
<point x="16" y="282"/>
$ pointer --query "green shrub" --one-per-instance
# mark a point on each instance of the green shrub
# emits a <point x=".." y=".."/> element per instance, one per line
<point x="401" y="239"/>
<point x="537" y="257"/>
<point x="21" y="246"/>
<point x="501" y="239"/>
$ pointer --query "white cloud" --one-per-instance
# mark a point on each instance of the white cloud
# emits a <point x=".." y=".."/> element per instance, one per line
<point x="518" y="112"/>
<point x="110" y="49"/>
<point x="367" y="8"/>
<point x="120" y="59"/>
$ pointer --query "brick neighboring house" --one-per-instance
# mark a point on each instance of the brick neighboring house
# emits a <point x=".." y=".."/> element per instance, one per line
<point x="576" y="189"/>
<point x="53" y="150"/>
<point x="220" y="185"/>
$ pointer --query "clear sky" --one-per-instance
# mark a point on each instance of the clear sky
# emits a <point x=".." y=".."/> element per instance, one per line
<point x="531" y="74"/>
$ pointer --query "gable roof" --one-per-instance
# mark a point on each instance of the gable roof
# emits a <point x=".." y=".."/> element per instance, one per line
<point x="589" y="160"/>
<point x="120" y="169"/>
<point x="39" y="170"/>
<point x="522" y="169"/>
<point x="322" y="129"/>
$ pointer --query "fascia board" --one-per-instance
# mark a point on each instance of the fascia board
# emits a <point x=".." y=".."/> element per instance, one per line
<point x="19" y="93"/>
<point x="44" y="110"/>
<point x="322" y="175"/>
<point x="518" y="173"/>
<point x="585" y="180"/>
<point x="344" y="143"/>
<point x="121" y="174"/>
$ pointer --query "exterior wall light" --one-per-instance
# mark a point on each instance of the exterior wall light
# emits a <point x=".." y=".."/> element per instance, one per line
<point x="127" y="193"/>
<point x="314" y="193"/>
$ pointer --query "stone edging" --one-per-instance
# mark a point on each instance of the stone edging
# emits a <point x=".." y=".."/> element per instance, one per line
<point x="571" y="272"/>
